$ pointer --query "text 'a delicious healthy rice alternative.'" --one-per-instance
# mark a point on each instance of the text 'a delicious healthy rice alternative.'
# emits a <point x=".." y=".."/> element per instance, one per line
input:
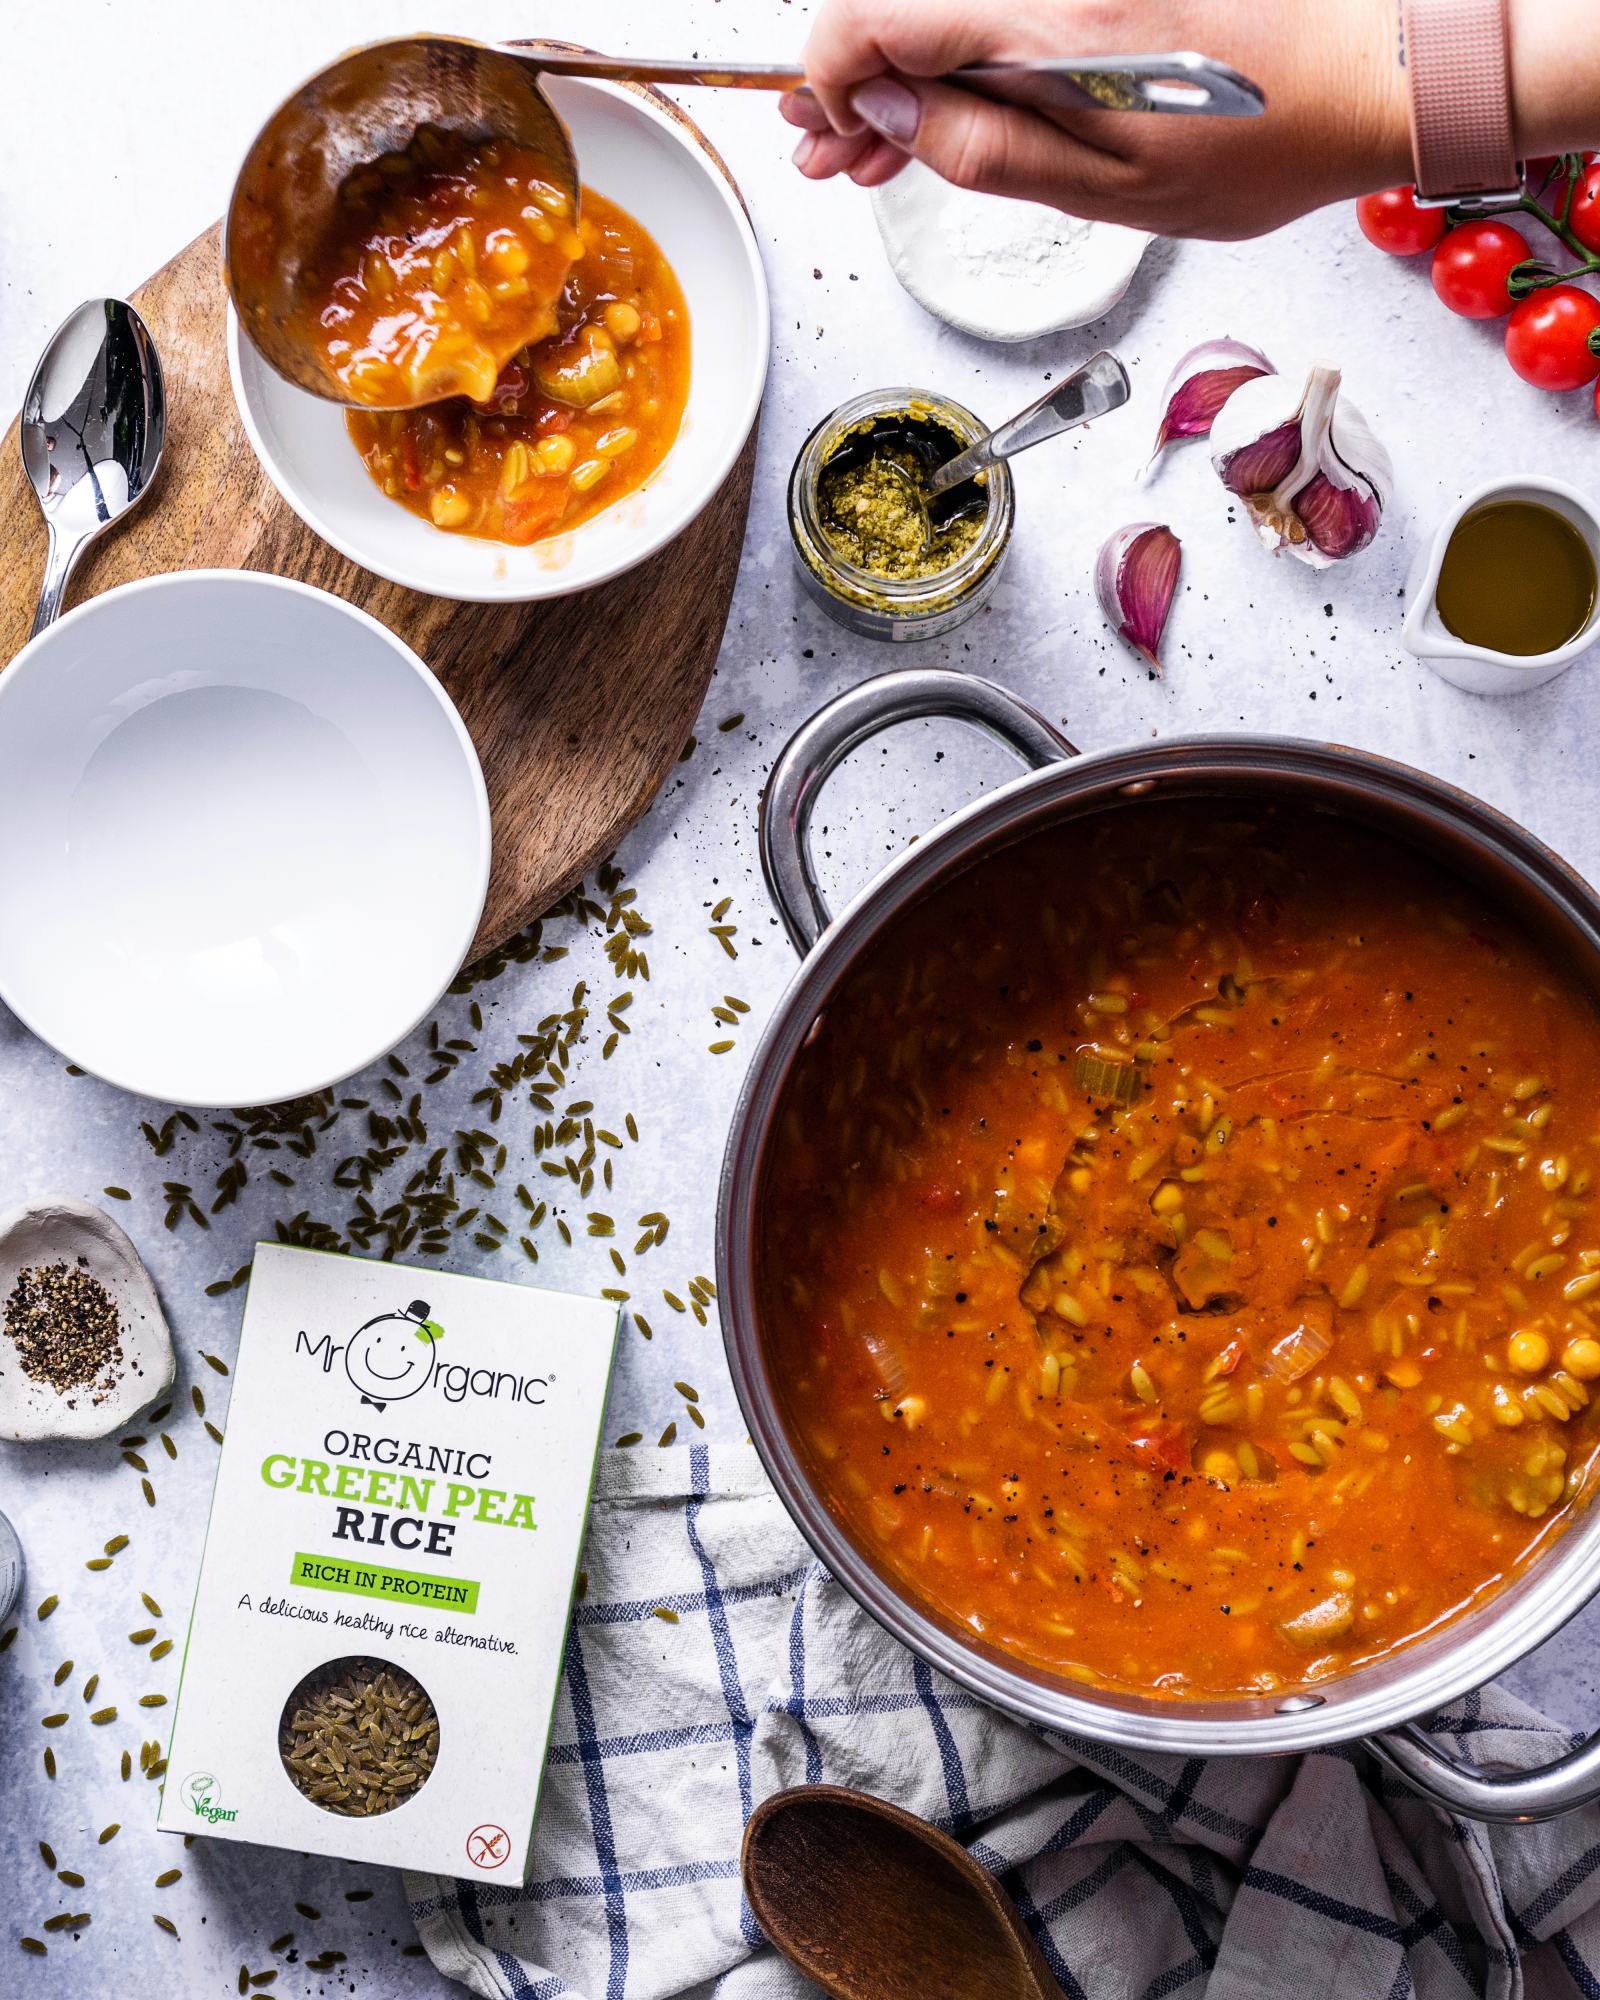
<point x="389" y="1565"/>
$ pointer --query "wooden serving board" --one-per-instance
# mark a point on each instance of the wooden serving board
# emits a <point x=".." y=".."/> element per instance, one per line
<point x="579" y="706"/>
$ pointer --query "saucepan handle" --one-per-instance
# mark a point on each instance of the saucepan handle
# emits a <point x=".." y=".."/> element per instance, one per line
<point x="818" y="746"/>
<point x="1542" y="1793"/>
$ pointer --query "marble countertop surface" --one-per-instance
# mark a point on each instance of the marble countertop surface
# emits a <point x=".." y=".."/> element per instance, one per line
<point x="108" y="178"/>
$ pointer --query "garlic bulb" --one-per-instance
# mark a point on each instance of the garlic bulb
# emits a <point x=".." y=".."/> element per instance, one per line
<point x="1306" y="465"/>
<point x="1199" y="386"/>
<point x="1135" y="579"/>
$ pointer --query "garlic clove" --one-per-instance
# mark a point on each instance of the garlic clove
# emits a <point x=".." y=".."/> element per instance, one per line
<point x="1136" y="577"/>
<point x="1199" y="386"/>
<point x="1340" y="521"/>
<point x="1313" y="477"/>
<point x="1264" y="463"/>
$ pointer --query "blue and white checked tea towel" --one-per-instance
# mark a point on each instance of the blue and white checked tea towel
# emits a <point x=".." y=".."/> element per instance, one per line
<point x="1142" y="1878"/>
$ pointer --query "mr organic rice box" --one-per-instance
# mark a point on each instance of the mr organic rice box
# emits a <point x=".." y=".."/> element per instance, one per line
<point x="388" y="1572"/>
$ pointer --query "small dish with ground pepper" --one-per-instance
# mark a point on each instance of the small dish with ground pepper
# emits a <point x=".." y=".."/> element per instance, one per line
<point x="84" y="1345"/>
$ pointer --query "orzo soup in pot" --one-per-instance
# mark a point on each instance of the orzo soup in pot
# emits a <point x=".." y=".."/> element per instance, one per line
<point x="1180" y="1257"/>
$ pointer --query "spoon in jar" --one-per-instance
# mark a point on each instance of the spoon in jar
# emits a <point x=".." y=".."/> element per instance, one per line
<point x="94" y="421"/>
<point x="875" y="1904"/>
<point x="1100" y="385"/>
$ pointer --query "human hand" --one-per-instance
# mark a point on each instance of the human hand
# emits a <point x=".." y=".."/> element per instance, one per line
<point x="1335" y="123"/>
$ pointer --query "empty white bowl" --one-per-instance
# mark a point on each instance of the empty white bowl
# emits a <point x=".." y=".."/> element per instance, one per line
<point x="244" y="838"/>
<point x="639" y="156"/>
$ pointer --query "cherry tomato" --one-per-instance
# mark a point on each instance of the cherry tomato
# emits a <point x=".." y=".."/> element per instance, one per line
<point x="1392" y="220"/>
<point x="1597" y="399"/>
<point x="1584" y="217"/>
<point x="1547" y="338"/>
<point x="1471" y="265"/>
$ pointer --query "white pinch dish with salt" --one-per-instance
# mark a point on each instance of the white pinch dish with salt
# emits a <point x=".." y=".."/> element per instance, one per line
<point x="1001" y="269"/>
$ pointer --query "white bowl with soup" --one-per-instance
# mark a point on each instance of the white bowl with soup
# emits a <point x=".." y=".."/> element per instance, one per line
<point x="638" y="156"/>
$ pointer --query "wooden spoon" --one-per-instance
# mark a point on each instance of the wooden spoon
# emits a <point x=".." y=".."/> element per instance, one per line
<point x="874" y="1904"/>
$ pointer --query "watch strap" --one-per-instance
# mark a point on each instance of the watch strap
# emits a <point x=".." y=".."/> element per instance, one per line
<point x="1458" y="73"/>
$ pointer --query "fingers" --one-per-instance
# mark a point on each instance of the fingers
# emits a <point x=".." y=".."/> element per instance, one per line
<point x="821" y="155"/>
<point x="973" y="142"/>
<point x="802" y="109"/>
<point x="879" y="163"/>
<point x="854" y="40"/>
<point x="868" y="159"/>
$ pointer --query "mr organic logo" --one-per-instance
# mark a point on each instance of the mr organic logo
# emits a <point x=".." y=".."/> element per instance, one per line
<point x="382" y="1360"/>
<point x="394" y="1356"/>
<point x="200" y="1796"/>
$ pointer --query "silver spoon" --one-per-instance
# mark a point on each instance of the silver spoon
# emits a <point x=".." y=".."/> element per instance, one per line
<point x="93" y="424"/>
<point x="1101" y="384"/>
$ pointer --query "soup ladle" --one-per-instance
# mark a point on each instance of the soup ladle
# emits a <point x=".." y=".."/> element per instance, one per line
<point x="373" y="100"/>
<point x="94" y="422"/>
<point x="873" y="1903"/>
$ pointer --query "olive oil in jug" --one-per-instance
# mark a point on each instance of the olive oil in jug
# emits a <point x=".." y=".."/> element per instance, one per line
<point x="1517" y="578"/>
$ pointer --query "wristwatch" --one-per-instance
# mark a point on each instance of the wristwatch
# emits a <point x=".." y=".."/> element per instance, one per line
<point x="1458" y="74"/>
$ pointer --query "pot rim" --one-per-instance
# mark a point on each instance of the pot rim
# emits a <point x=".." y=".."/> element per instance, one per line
<point x="1430" y="1670"/>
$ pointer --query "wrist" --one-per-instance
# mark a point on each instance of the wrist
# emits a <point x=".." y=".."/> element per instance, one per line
<point x="1555" y="79"/>
<point x="1367" y="62"/>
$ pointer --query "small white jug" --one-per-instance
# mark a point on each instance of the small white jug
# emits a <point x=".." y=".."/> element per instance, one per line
<point x="1479" y="669"/>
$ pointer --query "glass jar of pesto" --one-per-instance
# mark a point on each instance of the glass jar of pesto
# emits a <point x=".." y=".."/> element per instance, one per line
<point x="869" y="551"/>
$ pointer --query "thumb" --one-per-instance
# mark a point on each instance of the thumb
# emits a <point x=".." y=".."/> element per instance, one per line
<point x="974" y="142"/>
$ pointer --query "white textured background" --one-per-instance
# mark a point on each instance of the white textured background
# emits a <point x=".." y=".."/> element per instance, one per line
<point x="121" y="129"/>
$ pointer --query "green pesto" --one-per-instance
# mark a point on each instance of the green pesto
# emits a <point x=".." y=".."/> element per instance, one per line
<point x="872" y="515"/>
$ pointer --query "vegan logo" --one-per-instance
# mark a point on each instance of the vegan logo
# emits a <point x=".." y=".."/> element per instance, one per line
<point x="200" y="1796"/>
<point x="382" y="1358"/>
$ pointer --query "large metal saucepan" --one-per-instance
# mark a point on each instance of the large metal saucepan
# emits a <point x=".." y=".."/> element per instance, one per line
<point x="1377" y="1701"/>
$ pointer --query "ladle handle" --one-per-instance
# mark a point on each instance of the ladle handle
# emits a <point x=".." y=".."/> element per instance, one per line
<point x="819" y="746"/>
<point x="1174" y="81"/>
<point x="1101" y="384"/>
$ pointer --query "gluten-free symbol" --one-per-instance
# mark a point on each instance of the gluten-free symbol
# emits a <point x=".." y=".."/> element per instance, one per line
<point x="488" y="1846"/>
